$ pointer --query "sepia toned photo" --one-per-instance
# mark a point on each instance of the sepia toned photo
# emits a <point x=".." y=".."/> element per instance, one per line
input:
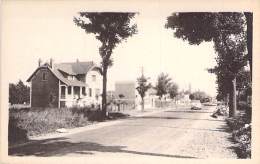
<point x="105" y="83"/>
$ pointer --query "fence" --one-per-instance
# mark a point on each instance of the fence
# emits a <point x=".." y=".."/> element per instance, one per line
<point x="164" y="103"/>
<point x="121" y="104"/>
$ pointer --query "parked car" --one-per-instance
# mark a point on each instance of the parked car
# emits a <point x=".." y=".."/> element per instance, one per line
<point x="196" y="105"/>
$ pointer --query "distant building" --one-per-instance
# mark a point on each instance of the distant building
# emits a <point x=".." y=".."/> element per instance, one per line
<point x="65" y="84"/>
<point x="150" y="98"/>
<point x="110" y="96"/>
<point x="183" y="98"/>
<point x="130" y="94"/>
<point x="125" y="88"/>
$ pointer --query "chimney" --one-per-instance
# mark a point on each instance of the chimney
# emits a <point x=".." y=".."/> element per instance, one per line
<point x="51" y="62"/>
<point x="39" y="62"/>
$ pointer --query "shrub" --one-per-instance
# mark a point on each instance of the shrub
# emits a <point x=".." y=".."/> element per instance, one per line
<point x="44" y="120"/>
<point x="26" y="122"/>
<point x="241" y="133"/>
<point x="16" y="134"/>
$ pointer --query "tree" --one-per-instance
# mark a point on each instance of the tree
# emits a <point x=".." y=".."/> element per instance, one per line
<point x="198" y="95"/>
<point x="244" y="85"/>
<point x="199" y="27"/>
<point x="19" y="93"/>
<point x="173" y="90"/>
<point x="143" y="87"/>
<point x="231" y="60"/>
<point x="110" y="29"/>
<point x="192" y="97"/>
<point x="226" y="30"/>
<point x="249" y="39"/>
<point x="162" y="85"/>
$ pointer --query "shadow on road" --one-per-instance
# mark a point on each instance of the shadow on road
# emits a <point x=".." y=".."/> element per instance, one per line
<point x="235" y="146"/>
<point x="61" y="146"/>
<point x="166" y="117"/>
<point x="181" y="128"/>
<point x="188" y="111"/>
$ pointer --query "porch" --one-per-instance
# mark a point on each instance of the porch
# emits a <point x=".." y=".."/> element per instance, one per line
<point x="70" y="96"/>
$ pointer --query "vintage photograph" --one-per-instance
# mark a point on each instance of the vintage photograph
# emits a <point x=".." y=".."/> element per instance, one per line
<point x="155" y="84"/>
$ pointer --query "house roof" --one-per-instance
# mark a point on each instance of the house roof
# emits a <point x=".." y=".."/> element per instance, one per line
<point x="74" y="82"/>
<point x="75" y="68"/>
<point x="69" y="68"/>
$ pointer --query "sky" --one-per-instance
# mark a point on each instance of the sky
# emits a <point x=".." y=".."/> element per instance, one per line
<point x="44" y="31"/>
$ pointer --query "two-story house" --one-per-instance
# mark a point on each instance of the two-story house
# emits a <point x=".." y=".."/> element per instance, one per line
<point x="65" y="84"/>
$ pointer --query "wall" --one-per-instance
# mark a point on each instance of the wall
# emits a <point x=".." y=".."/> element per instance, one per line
<point x="45" y="93"/>
<point x="94" y="85"/>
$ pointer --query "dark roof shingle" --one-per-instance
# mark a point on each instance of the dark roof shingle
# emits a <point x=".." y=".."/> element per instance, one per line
<point x="69" y="68"/>
<point x="75" y="68"/>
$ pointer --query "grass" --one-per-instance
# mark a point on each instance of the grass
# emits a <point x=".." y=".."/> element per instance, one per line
<point x="26" y="122"/>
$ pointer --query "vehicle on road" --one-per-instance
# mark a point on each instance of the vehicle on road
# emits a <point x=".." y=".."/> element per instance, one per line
<point x="196" y="105"/>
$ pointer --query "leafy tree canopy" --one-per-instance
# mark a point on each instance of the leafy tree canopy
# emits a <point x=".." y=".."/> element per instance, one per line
<point x="204" y="26"/>
<point x="143" y="85"/>
<point x="19" y="93"/>
<point x="198" y="95"/>
<point x="173" y="90"/>
<point x="110" y="28"/>
<point x="162" y="85"/>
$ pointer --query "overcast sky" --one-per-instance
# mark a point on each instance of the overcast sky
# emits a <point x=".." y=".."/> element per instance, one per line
<point x="43" y="31"/>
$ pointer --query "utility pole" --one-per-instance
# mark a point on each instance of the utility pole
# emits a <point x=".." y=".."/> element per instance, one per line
<point x="190" y="88"/>
<point x="142" y="70"/>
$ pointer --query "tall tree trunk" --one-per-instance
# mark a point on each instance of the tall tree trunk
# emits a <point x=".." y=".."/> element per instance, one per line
<point x="249" y="34"/>
<point x="142" y="104"/>
<point x="234" y="92"/>
<point x="233" y="100"/>
<point x="104" y="92"/>
<point x="230" y="104"/>
<point x="227" y="99"/>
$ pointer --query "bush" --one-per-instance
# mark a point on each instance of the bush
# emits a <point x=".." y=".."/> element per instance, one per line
<point x="245" y="107"/>
<point x="164" y="104"/>
<point x="15" y="133"/>
<point x="241" y="133"/>
<point x="44" y="120"/>
<point x="26" y="122"/>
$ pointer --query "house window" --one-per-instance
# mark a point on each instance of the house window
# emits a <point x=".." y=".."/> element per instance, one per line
<point x="84" y="91"/>
<point x="93" y="77"/>
<point x="90" y="92"/>
<point x="44" y="76"/>
<point x="63" y="89"/>
<point x="97" y="93"/>
<point x="71" y="77"/>
<point x="69" y="90"/>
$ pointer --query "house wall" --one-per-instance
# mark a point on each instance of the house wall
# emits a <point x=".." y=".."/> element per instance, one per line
<point x="95" y="85"/>
<point x="45" y="93"/>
